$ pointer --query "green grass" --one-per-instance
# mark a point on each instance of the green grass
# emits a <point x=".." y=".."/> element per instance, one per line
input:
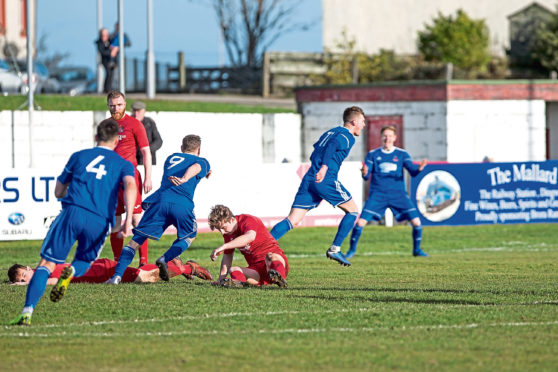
<point x="486" y="300"/>
<point x="99" y="103"/>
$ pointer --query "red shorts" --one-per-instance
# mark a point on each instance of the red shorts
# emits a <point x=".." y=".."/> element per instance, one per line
<point x="261" y="268"/>
<point x="120" y="208"/>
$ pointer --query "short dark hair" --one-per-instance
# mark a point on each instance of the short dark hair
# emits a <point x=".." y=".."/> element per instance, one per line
<point x="191" y="142"/>
<point x="218" y="214"/>
<point x="107" y="130"/>
<point x="12" y="272"/>
<point x="115" y="93"/>
<point x="350" y="112"/>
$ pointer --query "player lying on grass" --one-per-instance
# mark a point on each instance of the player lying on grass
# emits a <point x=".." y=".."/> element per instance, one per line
<point x="103" y="268"/>
<point x="172" y="204"/>
<point x="267" y="263"/>
<point x="88" y="187"/>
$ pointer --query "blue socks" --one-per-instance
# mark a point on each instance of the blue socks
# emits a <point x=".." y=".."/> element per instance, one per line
<point x="80" y="267"/>
<point x="417" y="237"/>
<point x="36" y="287"/>
<point x="124" y="260"/>
<point x="344" y="228"/>
<point x="281" y="229"/>
<point x="176" y="249"/>
<point x="355" y="236"/>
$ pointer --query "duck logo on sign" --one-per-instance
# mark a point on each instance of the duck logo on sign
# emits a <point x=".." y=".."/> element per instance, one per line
<point x="16" y="218"/>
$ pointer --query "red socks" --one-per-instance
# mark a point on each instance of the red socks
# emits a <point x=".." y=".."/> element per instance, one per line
<point x="238" y="275"/>
<point x="117" y="244"/>
<point x="143" y="250"/>
<point x="279" y="267"/>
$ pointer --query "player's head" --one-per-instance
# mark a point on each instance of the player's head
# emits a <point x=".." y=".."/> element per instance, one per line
<point x="116" y="102"/>
<point x="191" y="144"/>
<point x="221" y="218"/>
<point x="388" y="135"/>
<point x="19" y="273"/>
<point x="107" y="133"/>
<point x="353" y="119"/>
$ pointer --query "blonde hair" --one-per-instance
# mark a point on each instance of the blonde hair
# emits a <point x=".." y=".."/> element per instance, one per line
<point x="388" y="127"/>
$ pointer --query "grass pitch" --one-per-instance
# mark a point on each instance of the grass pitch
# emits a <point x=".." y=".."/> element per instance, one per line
<point x="486" y="300"/>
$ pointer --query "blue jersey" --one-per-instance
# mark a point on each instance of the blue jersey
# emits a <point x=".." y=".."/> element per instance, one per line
<point x="342" y="139"/>
<point x="176" y="165"/>
<point x="94" y="177"/>
<point x="386" y="169"/>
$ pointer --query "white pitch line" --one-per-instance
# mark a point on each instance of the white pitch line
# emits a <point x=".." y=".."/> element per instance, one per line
<point x="282" y="331"/>
<point x="251" y="314"/>
<point x="515" y="248"/>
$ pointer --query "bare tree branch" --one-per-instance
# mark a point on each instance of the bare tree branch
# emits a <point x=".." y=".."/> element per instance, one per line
<point x="249" y="27"/>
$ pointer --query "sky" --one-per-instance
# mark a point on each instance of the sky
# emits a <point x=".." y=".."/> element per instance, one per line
<point x="190" y="26"/>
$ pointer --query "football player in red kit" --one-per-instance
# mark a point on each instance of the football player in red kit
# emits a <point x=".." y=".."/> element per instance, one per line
<point x="103" y="268"/>
<point x="131" y="136"/>
<point x="267" y="263"/>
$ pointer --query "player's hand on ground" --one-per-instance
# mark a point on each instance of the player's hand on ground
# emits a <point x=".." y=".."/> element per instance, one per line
<point x="423" y="164"/>
<point x="147" y="185"/>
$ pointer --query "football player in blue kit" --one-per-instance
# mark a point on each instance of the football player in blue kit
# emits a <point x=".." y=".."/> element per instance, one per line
<point x="88" y="187"/>
<point x="321" y="183"/>
<point x="171" y="204"/>
<point x="384" y="167"/>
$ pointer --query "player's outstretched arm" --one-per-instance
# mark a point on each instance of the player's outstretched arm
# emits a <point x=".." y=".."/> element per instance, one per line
<point x="422" y="164"/>
<point x="192" y="171"/>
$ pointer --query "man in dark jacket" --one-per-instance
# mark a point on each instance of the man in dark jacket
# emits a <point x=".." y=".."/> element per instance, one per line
<point x="153" y="136"/>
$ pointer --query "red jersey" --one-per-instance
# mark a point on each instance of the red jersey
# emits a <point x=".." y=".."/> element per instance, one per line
<point x="131" y="138"/>
<point x="262" y="245"/>
<point x="101" y="270"/>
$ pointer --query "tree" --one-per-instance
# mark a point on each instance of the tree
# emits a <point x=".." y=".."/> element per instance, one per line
<point x="461" y="40"/>
<point x="546" y="44"/>
<point x="249" y="27"/>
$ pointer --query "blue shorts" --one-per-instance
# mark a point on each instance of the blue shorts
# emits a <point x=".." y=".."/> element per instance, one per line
<point x="310" y="193"/>
<point x="75" y="223"/>
<point x="399" y="203"/>
<point x="161" y="215"/>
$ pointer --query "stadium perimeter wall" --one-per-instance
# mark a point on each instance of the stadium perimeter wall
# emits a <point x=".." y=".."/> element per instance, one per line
<point x="457" y="121"/>
<point x="255" y="158"/>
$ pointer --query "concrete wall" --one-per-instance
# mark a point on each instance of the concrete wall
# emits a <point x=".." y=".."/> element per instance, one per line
<point x="459" y="131"/>
<point x="230" y="139"/>
<point x="424" y="125"/>
<point x="393" y="24"/>
<point x="502" y="130"/>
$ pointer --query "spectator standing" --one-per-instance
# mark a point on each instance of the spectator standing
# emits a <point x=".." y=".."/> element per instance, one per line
<point x="108" y="57"/>
<point x="153" y="136"/>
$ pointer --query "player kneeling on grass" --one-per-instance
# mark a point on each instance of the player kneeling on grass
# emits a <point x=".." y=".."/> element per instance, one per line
<point x="267" y="263"/>
<point x="103" y="268"/>
<point x="88" y="187"/>
<point x="172" y="204"/>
